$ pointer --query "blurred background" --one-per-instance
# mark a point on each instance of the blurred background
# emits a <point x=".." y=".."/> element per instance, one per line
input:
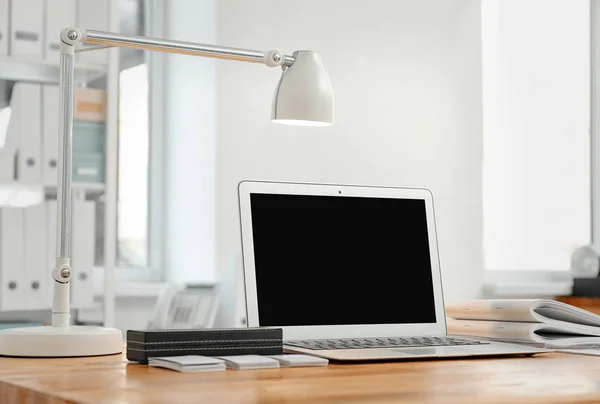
<point x="487" y="103"/>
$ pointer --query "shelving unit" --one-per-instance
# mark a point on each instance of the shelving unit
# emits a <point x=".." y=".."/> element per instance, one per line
<point x="40" y="71"/>
<point x="14" y="69"/>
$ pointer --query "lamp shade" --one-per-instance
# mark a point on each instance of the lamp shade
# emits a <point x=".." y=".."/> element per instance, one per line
<point x="304" y="95"/>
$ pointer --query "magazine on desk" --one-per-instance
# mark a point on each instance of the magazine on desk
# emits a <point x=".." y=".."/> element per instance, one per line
<point x="542" y="322"/>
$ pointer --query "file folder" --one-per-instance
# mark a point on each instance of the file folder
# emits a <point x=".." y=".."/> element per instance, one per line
<point x="89" y="104"/>
<point x="93" y="14"/>
<point x="7" y="167"/>
<point x="82" y="253"/>
<point x="51" y="217"/>
<point x="25" y="126"/>
<point x="37" y="287"/>
<point x="26" y="28"/>
<point x="14" y="291"/>
<point x="60" y="14"/>
<point x="50" y="134"/>
<point x="4" y="27"/>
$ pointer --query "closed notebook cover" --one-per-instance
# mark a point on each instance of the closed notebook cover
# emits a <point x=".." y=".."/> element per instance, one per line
<point x="209" y="335"/>
<point x="145" y="344"/>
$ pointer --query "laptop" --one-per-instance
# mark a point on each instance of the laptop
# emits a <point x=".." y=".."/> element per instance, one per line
<point x="350" y="273"/>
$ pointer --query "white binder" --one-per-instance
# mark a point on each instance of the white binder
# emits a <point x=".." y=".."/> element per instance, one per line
<point x="60" y="14"/>
<point x="25" y="126"/>
<point x="12" y="269"/>
<point x="51" y="216"/>
<point x="26" y="28"/>
<point x="49" y="134"/>
<point x="93" y="14"/>
<point x="36" y="264"/>
<point x="82" y="253"/>
<point x="4" y="27"/>
<point x="7" y="167"/>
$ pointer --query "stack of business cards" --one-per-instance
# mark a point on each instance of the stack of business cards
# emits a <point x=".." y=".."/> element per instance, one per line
<point x="243" y="362"/>
<point x="298" y="360"/>
<point x="188" y="363"/>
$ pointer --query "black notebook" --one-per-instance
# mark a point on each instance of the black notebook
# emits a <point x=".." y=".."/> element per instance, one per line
<point x="144" y="344"/>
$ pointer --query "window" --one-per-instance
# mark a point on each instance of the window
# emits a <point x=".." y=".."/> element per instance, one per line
<point x="133" y="149"/>
<point x="133" y="167"/>
<point x="536" y="158"/>
<point x="134" y="136"/>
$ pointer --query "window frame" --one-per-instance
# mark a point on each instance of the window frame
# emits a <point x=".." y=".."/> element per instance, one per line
<point x="153" y="272"/>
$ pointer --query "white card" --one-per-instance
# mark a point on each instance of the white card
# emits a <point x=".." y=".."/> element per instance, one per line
<point x="188" y="363"/>
<point x="297" y="360"/>
<point x="250" y="362"/>
<point x="188" y="360"/>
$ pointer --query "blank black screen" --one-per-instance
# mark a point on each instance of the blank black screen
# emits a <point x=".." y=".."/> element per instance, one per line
<point x="334" y="260"/>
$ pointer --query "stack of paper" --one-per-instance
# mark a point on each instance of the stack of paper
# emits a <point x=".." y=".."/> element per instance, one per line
<point x="188" y="363"/>
<point x="243" y="362"/>
<point x="541" y="322"/>
<point x="297" y="360"/>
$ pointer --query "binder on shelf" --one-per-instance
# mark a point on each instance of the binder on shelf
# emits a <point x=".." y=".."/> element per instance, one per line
<point x="82" y="253"/>
<point x="51" y="210"/>
<point x="50" y="134"/>
<point x="26" y="28"/>
<point x="93" y="14"/>
<point x="37" y="286"/>
<point x="13" y="294"/>
<point x="10" y="143"/>
<point x="4" y="27"/>
<point x="25" y="126"/>
<point x="89" y="104"/>
<point x="7" y="167"/>
<point x="60" y="14"/>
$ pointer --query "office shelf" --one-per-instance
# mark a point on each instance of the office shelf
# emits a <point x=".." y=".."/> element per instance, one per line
<point x="93" y="190"/>
<point x="15" y="68"/>
<point x="29" y="192"/>
<point x="90" y="186"/>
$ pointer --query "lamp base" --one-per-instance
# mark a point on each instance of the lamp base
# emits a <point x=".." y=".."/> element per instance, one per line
<point x="57" y="342"/>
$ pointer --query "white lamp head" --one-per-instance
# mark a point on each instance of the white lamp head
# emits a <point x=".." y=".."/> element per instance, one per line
<point x="304" y="95"/>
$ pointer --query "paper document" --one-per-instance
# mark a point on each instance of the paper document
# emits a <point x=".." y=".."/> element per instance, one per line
<point x="541" y="321"/>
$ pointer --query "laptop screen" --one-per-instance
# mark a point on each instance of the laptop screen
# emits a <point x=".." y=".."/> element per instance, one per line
<point x="341" y="260"/>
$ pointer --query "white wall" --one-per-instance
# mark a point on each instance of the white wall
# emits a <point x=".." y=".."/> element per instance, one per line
<point x="536" y="176"/>
<point x="407" y="79"/>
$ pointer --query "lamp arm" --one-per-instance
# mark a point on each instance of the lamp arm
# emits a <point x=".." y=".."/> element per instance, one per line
<point x="109" y="39"/>
<point x="62" y="270"/>
<point x="69" y="38"/>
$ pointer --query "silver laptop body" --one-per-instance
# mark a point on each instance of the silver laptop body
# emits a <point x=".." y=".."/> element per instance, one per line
<point x="350" y="273"/>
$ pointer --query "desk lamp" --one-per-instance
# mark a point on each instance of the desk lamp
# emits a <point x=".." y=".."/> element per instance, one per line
<point x="303" y="97"/>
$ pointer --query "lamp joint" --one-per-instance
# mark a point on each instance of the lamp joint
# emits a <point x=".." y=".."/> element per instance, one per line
<point x="62" y="273"/>
<point x="71" y="36"/>
<point x="274" y="58"/>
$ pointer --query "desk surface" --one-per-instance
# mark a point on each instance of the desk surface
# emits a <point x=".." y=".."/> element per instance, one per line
<point x="546" y="378"/>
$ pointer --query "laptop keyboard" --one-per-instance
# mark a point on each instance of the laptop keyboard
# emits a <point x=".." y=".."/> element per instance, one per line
<point x="365" y="343"/>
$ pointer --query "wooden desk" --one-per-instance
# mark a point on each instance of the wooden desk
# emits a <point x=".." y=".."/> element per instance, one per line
<point x="587" y="303"/>
<point x="547" y="378"/>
